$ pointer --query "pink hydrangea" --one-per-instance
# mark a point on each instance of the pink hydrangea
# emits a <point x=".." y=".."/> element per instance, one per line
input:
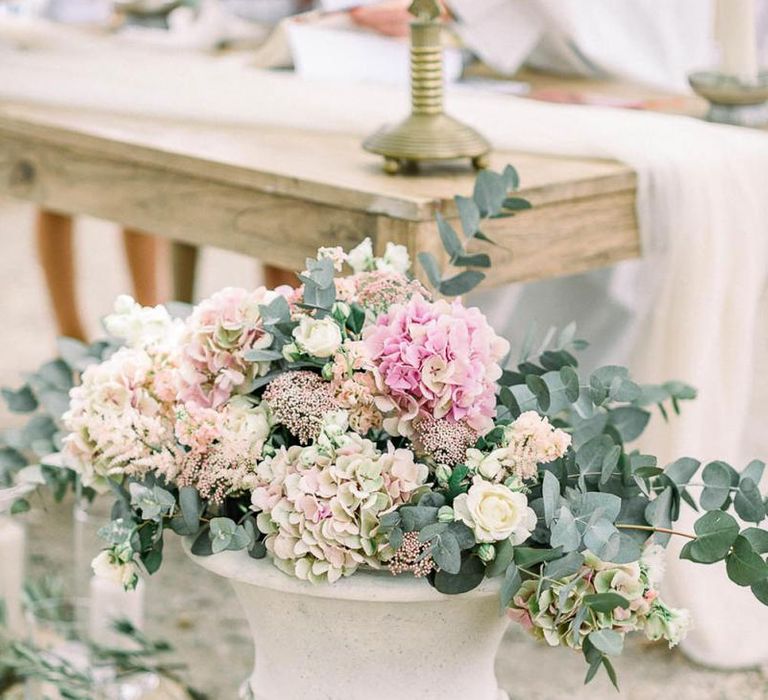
<point x="437" y="359"/>
<point x="218" y="334"/>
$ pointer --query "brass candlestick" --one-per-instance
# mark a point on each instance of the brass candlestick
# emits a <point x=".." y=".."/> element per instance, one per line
<point x="429" y="134"/>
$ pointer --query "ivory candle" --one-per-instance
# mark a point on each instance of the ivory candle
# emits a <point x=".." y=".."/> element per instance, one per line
<point x="12" y="556"/>
<point x="110" y="602"/>
<point x="736" y="33"/>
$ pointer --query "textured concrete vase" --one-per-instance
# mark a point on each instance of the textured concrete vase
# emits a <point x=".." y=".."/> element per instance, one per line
<point x="369" y="637"/>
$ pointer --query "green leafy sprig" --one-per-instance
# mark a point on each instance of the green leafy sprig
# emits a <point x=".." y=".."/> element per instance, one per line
<point x="491" y="199"/>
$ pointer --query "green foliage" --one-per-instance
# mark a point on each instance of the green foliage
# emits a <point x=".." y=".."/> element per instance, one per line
<point x="44" y="397"/>
<point x="490" y="199"/>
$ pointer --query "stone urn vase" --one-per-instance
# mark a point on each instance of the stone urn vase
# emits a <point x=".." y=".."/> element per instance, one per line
<point x="371" y="636"/>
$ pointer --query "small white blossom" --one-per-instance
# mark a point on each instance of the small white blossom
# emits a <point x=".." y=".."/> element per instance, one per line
<point x="108" y="566"/>
<point x="396" y="259"/>
<point x="360" y="258"/>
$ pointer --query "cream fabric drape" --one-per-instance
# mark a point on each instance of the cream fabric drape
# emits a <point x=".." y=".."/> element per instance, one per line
<point x="702" y="208"/>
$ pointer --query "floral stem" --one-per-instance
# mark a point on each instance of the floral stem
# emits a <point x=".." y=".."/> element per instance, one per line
<point x="650" y="528"/>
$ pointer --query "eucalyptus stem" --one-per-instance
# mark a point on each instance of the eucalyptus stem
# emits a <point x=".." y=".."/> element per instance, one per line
<point x="651" y="528"/>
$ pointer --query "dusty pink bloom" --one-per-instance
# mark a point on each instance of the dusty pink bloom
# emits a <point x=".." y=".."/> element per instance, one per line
<point x="436" y="359"/>
<point x="218" y="334"/>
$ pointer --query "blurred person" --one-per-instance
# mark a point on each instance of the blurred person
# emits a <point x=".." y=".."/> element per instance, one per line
<point x="55" y="246"/>
<point x="644" y="41"/>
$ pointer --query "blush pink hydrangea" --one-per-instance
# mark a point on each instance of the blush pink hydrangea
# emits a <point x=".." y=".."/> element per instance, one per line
<point x="436" y="359"/>
<point x="218" y="334"/>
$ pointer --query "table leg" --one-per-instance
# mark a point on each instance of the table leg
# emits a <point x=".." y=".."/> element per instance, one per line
<point x="183" y="264"/>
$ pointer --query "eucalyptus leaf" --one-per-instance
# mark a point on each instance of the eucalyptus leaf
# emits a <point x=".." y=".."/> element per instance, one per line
<point x="510" y="586"/>
<point x="716" y="532"/>
<point x="505" y="554"/>
<point x="757" y="538"/>
<point x="607" y="641"/>
<point x="489" y="193"/>
<point x="550" y="490"/>
<point x="570" y="380"/>
<point x="748" y="502"/>
<point x="565" y="533"/>
<point x="469" y="215"/>
<point x="20" y="401"/>
<point x="449" y="237"/>
<point x="744" y="566"/>
<point x="460" y="284"/>
<point x="630" y="421"/>
<point x="760" y="591"/>
<point x="717" y="480"/>
<point x="470" y="576"/>
<point x="526" y="557"/>
<point x="447" y="553"/>
<point x="606" y="602"/>
<point x="566" y="566"/>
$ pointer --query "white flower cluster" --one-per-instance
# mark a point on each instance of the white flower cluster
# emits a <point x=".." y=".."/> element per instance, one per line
<point x="142" y="326"/>
<point x="527" y="442"/>
<point x="320" y="505"/>
<point x="395" y="258"/>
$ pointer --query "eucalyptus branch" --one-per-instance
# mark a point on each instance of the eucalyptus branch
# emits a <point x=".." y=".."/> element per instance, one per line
<point x="651" y="528"/>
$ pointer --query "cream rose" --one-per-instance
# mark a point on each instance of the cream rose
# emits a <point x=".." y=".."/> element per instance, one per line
<point x="495" y="513"/>
<point x="320" y="337"/>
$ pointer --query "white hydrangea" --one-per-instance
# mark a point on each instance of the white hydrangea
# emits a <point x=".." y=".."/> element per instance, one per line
<point x="360" y="258"/>
<point x="142" y="326"/>
<point x="396" y="259"/>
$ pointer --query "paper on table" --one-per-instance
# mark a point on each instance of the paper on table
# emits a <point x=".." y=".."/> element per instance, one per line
<point x="333" y="47"/>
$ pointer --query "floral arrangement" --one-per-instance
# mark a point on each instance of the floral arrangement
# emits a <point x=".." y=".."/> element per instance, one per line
<point x="362" y="421"/>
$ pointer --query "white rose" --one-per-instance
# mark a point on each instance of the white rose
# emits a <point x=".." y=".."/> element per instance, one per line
<point x="320" y="337"/>
<point x="396" y="259"/>
<point x="245" y="418"/>
<point x="495" y="513"/>
<point x="107" y="566"/>
<point x="360" y="258"/>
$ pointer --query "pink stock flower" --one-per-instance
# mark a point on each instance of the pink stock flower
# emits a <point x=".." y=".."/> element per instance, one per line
<point x="436" y="359"/>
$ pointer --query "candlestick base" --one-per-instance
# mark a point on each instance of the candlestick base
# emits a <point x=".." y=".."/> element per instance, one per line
<point x="731" y="99"/>
<point x="427" y="137"/>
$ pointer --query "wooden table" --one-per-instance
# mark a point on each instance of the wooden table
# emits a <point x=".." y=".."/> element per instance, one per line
<point x="278" y="194"/>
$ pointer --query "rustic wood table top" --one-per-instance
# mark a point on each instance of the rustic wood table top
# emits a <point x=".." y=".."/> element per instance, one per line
<point x="277" y="194"/>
